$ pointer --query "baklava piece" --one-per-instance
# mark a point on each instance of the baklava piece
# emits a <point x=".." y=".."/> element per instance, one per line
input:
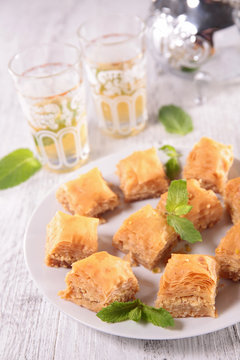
<point x="228" y="254"/>
<point x="206" y="208"/>
<point x="142" y="175"/>
<point x="147" y="235"/>
<point x="232" y="199"/>
<point x="188" y="286"/>
<point x="70" y="238"/>
<point x="99" y="280"/>
<point x="209" y="162"/>
<point x="88" y="195"/>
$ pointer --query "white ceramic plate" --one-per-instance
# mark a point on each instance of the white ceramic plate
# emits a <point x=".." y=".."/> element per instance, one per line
<point x="51" y="280"/>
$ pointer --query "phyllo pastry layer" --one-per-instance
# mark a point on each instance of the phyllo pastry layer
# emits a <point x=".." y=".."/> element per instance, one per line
<point x="147" y="236"/>
<point x="209" y="162"/>
<point x="232" y="198"/>
<point x="142" y="175"/>
<point x="228" y="254"/>
<point x="188" y="286"/>
<point x="88" y="195"/>
<point x="99" y="280"/>
<point x="206" y="208"/>
<point x="70" y="238"/>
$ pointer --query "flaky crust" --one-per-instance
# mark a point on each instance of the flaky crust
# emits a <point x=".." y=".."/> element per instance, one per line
<point x="142" y="175"/>
<point x="70" y="238"/>
<point x="188" y="285"/>
<point x="99" y="280"/>
<point x="88" y="195"/>
<point x="147" y="236"/>
<point x="232" y="198"/>
<point x="228" y="254"/>
<point x="209" y="162"/>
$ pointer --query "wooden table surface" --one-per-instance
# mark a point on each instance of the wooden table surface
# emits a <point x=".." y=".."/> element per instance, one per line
<point x="31" y="327"/>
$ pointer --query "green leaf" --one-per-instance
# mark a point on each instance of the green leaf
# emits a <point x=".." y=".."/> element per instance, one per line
<point x="17" y="167"/>
<point x="183" y="209"/>
<point x="189" y="69"/>
<point x="170" y="151"/>
<point x="117" y="311"/>
<point x="135" y="314"/>
<point x="175" y="120"/>
<point x="135" y="310"/>
<point x="158" y="317"/>
<point x="177" y="195"/>
<point x="172" y="168"/>
<point x="184" y="228"/>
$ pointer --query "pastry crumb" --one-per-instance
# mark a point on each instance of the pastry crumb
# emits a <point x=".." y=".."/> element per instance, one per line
<point x="187" y="247"/>
<point x="102" y="220"/>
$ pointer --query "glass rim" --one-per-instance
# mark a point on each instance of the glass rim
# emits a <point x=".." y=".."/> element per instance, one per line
<point x="47" y="44"/>
<point x="92" y="19"/>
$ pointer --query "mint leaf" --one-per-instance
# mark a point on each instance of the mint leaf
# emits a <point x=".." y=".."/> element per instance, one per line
<point x="177" y="195"/>
<point x="158" y="317"/>
<point x="188" y="69"/>
<point x="177" y="205"/>
<point x="135" y="310"/>
<point x="182" y="210"/>
<point x="135" y="314"/>
<point x="184" y="228"/>
<point x="170" y="151"/>
<point x="172" y="168"/>
<point x="175" y="120"/>
<point x="17" y="167"/>
<point x="117" y="311"/>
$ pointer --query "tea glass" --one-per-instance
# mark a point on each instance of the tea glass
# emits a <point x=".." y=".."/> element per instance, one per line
<point x="48" y="79"/>
<point x="114" y="55"/>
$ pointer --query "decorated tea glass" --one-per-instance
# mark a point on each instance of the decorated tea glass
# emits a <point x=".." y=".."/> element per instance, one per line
<point x="114" y="55"/>
<point x="48" y="80"/>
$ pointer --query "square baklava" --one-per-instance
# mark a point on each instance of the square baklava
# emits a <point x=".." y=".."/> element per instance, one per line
<point x="147" y="236"/>
<point x="70" y="238"/>
<point x="188" y="286"/>
<point x="142" y="175"/>
<point x="209" y="162"/>
<point x="88" y="195"/>
<point x="232" y="198"/>
<point x="228" y="254"/>
<point x="99" y="280"/>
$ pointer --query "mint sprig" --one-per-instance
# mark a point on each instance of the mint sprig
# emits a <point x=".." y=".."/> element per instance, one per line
<point x="136" y="311"/>
<point x="175" y="119"/>
<point x="184" y="228"/>
<point x="172" y="166"/>
<point x="177" y="196"/>
<point x="17" y="167"/>
<point x="176" y="206"/>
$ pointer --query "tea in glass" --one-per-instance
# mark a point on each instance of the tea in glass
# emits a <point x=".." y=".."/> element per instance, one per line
<point x="115" y="60"/>
<point x="50" y="88"/>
